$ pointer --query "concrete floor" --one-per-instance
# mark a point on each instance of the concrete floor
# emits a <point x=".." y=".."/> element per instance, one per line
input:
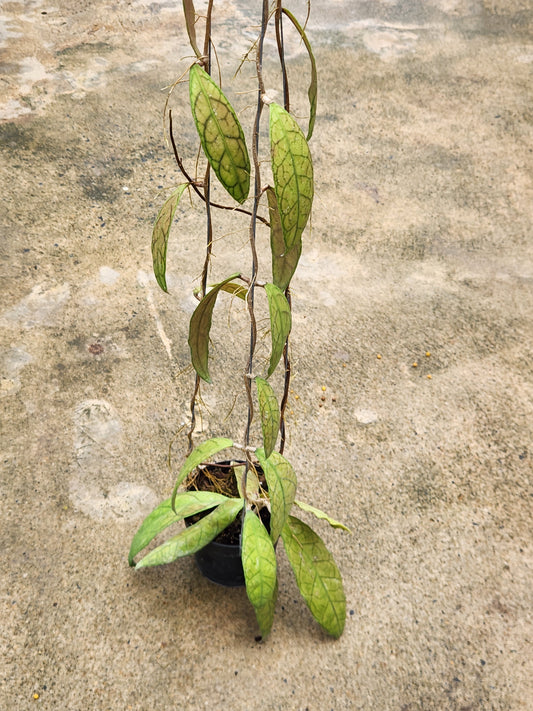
<point x="420" y="243"/>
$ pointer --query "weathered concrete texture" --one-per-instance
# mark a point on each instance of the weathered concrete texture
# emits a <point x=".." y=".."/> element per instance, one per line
<point x="420" y="244"/>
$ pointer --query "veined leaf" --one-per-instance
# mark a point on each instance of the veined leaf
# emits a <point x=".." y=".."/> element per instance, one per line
<point x="196" y="457"/>
<point x="270" y="415"/>
<point x="284" y="262"/>
<point x="280" y="323"/>
<point x="320" y="514"/>
<point x="220" y="132"/>
<point x="317" y="576"/>
<point x="194" y="537"/>
<point x="190" y="19"/>
<point x="187" y="503"/>
<point x="199" y="328"/>
<point x="252" y="481"/>
<point x="293" y="174"/>
<point x="312" y="91"/>
<point x="259" y="565"/>
<point x="160" y="234"/>
<point x="281" y="481"/>
<point x="235" y="289"/>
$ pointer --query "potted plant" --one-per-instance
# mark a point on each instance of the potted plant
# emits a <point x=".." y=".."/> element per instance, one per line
<point x="237" y="510"/>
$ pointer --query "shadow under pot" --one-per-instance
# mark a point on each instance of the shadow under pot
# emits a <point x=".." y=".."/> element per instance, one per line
<point x="220" y="560"/>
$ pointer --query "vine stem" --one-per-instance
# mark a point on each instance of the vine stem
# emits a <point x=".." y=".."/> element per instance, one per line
<point x="253" y="229"/>
<point x="209" y="225"/>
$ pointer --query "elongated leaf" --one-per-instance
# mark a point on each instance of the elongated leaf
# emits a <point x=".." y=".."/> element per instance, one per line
<point x="293" y="174"/>
<point x="220" y="132"/>
<point x="281" y="481"/>
<point x="320" y="514"/>
<point x="259" y="565"/>
<point x="190" y="19"/>
<point x="194" y="537"/>
<point x="270" y="415"/>
<point x="312" y="91"/>
<point x="199" y="328"/>
<point x="187" y="503"/>
<point x="284" y="262"/>
<point x="318" y="577"/>
<point x="280" y="323"/>
<point x="252" y="481"/>
<point x="160" y="234"/>
<point x="235" y="289"/>
<point x="196" y="457"/>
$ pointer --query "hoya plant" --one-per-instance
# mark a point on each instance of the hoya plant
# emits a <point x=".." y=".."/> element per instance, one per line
<point x="260" y="500"/>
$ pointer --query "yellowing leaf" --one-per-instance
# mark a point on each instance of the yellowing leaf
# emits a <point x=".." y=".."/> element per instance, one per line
<point x="220" y="132"/>
<point x="270" y="415"/>
<point x="160" y="234"/>
<point x="197" y="456"/>
<point x="280" y="323"/>
<point x="194" y="537"/>
<point x="284" y="262"/>
<point x="312" y="91"/>
<point x="292" y="170"/>
<point x="259" y="565"/>
<point x="199" y="328"/>
<point x="320" y="514"/>
<point x="281" y="481"/>
<point x="187" y="503"/>
<point x="317" y="576"/>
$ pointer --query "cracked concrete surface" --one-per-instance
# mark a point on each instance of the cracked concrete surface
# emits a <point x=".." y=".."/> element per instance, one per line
<point x="420" y="252"/>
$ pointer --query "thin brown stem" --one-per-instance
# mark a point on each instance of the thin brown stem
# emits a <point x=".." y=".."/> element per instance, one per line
<point x="197" y="184"/>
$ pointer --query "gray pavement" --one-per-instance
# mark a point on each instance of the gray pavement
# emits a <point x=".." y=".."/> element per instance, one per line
<point x="420" y="252"/>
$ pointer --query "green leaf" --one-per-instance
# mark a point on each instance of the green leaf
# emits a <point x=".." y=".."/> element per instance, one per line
<point x="281" y="481"/>
<point x="199" y="328"/>
<point x="317" y="576"/>
<point x="196" y="457"/>
<point x="160" y="234"/>
<point x="270" y="415"/>
<point x="284" y="262"/>
<point x="312" y="91"/>
<point x="195" y="537"/>
<point x="187" y="503"/>
<point x="220" y="132"/>
<point x="280" y="323"/>
<point x="259" y="565"/>
<point x="320" y="514"/>
<point x="293" y="174"/>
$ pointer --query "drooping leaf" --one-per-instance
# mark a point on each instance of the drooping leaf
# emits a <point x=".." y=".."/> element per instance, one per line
<point x="187" y="503"/>
<point x="199" y="328"/>
<point x="160" y="234"/>
<point x="197" y="456"/>
<point x="280" y="323"/>
<point x="220" y="132"/>
<point x="281" y="481"/>
<point x="270" y="415"/>
<point x="292" y="170"/>
<point x="317" y="576"/>
<point x="312" y="91"/>
<point x="194" y="537"/>
<point x="252" y="481"/>
<point x="190" y="19"/>
<point x="235" y="289"/>
<point x="320" y="514"/>
<point x="259" y="565"/>
<point x="284" y="262"/>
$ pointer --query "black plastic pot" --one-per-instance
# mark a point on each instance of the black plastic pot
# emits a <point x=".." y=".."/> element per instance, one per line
<point x="221" y="562"/>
